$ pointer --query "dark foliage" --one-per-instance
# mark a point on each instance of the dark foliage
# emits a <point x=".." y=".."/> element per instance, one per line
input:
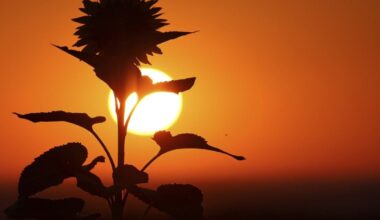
<point x="183" y="202"/>
<point x="128" y="175"/>
<point x="133" y="81"/>
<point x="36" y="208"/>
<point x="168" y="143"/>
<point x="90" y="166"/>
<point x="146" y="86"/>
<point x="80" y="119"/>
<point x="91" y="217"/>
<point x="92" y="184"/>
<point x="90" y="59"/>
<point x="121" y="77"/>
<point x="51" y="168"/>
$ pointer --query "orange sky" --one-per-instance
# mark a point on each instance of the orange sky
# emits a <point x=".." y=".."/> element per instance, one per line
<point x="292" y="85"/>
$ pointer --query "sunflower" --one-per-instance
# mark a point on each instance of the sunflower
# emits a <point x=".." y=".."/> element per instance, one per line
<point x="116" y="36"/>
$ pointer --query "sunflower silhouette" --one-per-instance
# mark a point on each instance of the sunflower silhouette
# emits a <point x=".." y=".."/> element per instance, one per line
<point x="116" y="36"/>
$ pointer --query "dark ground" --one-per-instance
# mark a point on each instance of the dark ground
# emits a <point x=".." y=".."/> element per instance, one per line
<point x="259" y="201"/>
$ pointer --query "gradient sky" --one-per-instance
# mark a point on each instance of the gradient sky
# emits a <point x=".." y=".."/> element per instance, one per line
<point x="292" y="85"/>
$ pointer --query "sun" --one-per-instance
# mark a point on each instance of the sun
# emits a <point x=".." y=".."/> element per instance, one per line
<point x="157" y="111"/>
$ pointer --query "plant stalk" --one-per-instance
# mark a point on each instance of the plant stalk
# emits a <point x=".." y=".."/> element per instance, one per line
<point x="124" y="200"/>
<point x="150" y="162"/>
<point x="117" y="207"/>
<point x="117" y="211"/>
<point x="121" y="134"/>
<point x="105" y="149"/>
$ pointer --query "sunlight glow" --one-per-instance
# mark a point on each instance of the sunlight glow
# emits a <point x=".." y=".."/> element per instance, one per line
<point x="157" y="111"/>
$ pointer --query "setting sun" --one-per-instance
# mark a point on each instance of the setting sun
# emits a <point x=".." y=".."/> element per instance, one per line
<point x="157" y="111"/>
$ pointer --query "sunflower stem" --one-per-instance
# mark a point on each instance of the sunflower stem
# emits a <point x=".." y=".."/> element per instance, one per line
<point x="122" y="124"/>
<point x="105" y="149"/>
<point x="146" y="212"/>
<point x="121" y="133"/>
<point x="117" y="206"/>
<point x="131" y="114"/>
<point x="125" y="197"/>
<point x="150" y="162"/>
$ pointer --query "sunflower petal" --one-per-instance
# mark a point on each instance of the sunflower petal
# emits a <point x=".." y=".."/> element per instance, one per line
<point x="90" y="7"/>
<point x="157" y="50"/>
<point x="90" y="48"/>
<point x="157" y="15"/>
<point x="155" y="10"/>
<point x="171" y="35"/>
<point x="143" y="58"/>
<point x="151" y="3"/>
<point x="82" y="20"/>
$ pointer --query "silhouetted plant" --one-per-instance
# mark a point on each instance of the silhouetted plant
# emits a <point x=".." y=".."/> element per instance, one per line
<point x="115" y="36"/>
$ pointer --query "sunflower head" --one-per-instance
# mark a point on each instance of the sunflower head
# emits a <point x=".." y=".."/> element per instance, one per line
<point x="115" y="36"/>
<point x="126" y="29"/>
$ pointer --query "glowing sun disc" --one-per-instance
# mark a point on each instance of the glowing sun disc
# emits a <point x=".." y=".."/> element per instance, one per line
<point x="157" y="111"/>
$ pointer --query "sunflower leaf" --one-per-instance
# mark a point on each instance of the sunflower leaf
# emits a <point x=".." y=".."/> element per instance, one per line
<point x="128" y="175"/>
<point x="176" y="86"/>
<point x="178" y="200"/>
<point x="90" y="59"/>
<point x="92" y="184"/>
<point x="168" y="143"/>
<point x="90" y="166"/>
<point x="80" y="119"/>
<point x="91" y="217"/>
<point x="52" y="168"/>
<point x="36" y="208"/>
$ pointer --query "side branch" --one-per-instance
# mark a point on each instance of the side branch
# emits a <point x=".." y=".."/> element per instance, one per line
<point x="150" y="162"/>
<point x="105" y="149"/>
<point x="124" y="200"/>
